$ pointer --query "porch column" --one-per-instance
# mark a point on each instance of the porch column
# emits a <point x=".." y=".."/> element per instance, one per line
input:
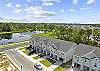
<point x="81" y="68"/>
<point x="43" y="51"/>
<point x="90" y="69"/>
<point x="64" y="59"/>
<point x="57" y="57"/>
<point x="73" y="63"/>
<point x="46" y="52"/>
<point x="50" y="53"/>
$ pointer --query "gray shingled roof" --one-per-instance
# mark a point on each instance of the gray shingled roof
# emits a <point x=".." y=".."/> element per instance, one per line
<point x="63" y="45"/>
<point x="83" y="49"/>
<point x="47" y="42"/>
<point x="60" y="44"/>
<point x="90" y="56"/>
<point x="97" y="53"/>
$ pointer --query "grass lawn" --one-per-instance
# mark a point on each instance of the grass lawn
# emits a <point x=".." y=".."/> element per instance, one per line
<point x="26" y="51"/>
<point x="36" y="57"/>
<point x="1" y="46"/>
<point x="60" y="68"/>
<point x="5" y="32"/>
<point x="47" y="62"/>
<point x="21" y="48"/>
<point x="23" y="43"/>
<point x="12" y="44"/>
<point x="4" y="45"/>
<point x="50" y="34"/>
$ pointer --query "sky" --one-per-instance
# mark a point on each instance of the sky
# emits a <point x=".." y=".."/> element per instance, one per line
<point x="60" y="11"/>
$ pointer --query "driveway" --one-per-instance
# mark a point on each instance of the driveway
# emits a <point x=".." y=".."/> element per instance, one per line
<point x="20" y="60"/>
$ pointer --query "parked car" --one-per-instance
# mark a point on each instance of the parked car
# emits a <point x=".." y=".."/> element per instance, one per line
<point x="38" y="66"/>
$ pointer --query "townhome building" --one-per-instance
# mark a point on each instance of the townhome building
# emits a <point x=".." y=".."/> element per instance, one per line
<point x="55" y="48"/>
<point x="86" y="58"/>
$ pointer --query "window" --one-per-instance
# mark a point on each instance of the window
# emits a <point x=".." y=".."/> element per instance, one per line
<point x="78" y="57"/>
<point x="95" y="65"/>
<point x="55" y="47"/>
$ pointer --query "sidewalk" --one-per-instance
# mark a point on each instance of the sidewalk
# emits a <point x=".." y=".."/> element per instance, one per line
<point x="32" y="60"/>
<point x="50" y="68"/>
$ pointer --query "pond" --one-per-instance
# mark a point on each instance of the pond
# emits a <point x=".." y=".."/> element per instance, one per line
<point x="16" y="37"/>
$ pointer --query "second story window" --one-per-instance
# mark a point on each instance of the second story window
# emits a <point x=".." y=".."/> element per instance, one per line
<point x="85" y="60"/>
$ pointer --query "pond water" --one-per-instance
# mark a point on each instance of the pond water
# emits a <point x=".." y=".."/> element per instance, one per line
<point x="16" y="37"/>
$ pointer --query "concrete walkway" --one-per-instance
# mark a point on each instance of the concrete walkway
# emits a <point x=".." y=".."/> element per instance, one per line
<point x="55" y="65"/>
<point x="50" y="68"/>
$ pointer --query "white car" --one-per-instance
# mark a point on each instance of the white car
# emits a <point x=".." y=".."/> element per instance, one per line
<point x="38" y="66"/>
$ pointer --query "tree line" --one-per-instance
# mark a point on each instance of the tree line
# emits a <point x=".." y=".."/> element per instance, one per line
<point x="67" y="32"/>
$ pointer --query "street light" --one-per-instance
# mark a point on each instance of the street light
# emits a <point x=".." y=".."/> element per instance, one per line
<point x="21" y="67"/>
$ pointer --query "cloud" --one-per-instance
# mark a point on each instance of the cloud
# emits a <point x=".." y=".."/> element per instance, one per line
<point x="28" y="0"/>
<point x="71" y="10"/>
<point x="18" y="5"/>
<point x="17" y="10"/>
<point x="49" y="1"/>
<point x="91" y="1"/>
<point x="62" y="10"/>
<point x="85" y="8"/>
<point x="75" y="2"/>
<point x="99" y="16"/>
<point x="9" y="5"/>
<point x="47" y="4"/>
<point x="38" y="12"/>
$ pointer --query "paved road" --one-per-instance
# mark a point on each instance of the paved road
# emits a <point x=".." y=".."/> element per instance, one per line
<point x="20" y="60"/>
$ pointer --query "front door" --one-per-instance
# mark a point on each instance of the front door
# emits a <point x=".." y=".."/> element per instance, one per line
<point x="51" y="55"/>
<point x="85" y="68"/>
<point x="61" y="59"/>
<point x="77" y="65"/>
<point x="55" y="57"/>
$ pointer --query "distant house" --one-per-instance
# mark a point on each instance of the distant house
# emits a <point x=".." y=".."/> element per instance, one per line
<point x="55" y="48"/>
<point x="96" y="38"/>
<point x="87" y="58"/>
